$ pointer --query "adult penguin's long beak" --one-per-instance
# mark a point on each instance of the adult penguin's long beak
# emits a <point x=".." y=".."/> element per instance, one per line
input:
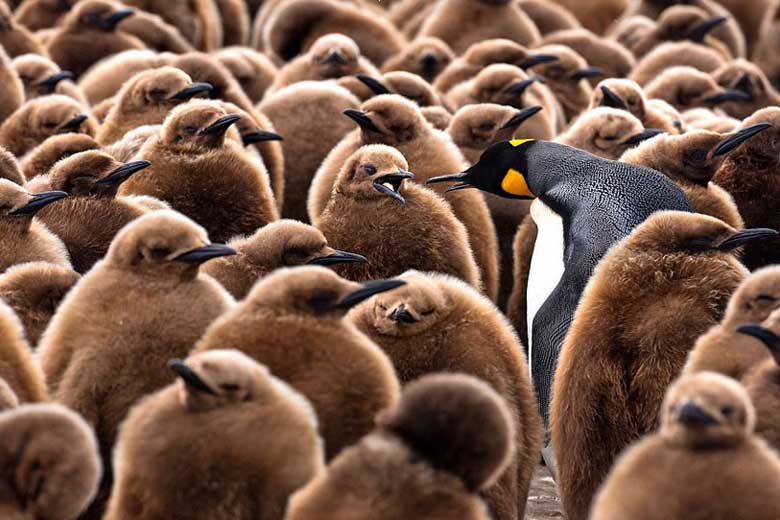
<point x="190" y="378"/>
<point x="739" y="137"/>
<point x="376" y="86"/>
<point x="221" y="125"/>
<point x="124" y="172"/>
<point x="729" y="95"/>
<point x="52" y="80"/>
<point x="362" y="120"/>
<point x="612" y="100"/>
<point x="338" y="257"/>
<point x="462" y="180"/>
<point x="646" y="134"/>
<point x="260" y="136"/>
<point x="700" y="31"/>
<point x="536" y="59"/>
<point x="520" y="117"/>
<point x="744" y="236"/>
<point x="205" y="253"/>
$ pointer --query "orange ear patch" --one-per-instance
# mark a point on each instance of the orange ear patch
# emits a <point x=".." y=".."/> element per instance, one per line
<point x="514" y="183"/>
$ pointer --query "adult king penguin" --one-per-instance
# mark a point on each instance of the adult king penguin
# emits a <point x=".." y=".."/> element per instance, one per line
<point x="582" y="205"/>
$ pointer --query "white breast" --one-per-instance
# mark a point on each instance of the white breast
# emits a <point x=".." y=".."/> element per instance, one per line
<point x="546" y="262"/>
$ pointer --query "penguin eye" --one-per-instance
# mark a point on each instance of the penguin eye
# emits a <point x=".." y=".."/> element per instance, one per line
<point x="50" y="124"/>
<point x="157" y="93"/>
<point x="726" y="411"/>
<point x="369" y="169"/>
<point x="323" y="301"/>
<point x="765" y="298"/>
<point x="229" y="387"/>
<point x="191" y="130"/>
<point x="698" y="155"/>
<point x="486" y="127"/>
<point x="295" y="256"/>
<point x="427" y="313"/>
<point x="160" y="252"/>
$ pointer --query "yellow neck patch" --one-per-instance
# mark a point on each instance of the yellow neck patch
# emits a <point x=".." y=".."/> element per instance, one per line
<point x="514" y="183"/>
<point x="518" y="142"/>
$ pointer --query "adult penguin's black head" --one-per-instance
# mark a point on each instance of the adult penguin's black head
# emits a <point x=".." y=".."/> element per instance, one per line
<point x="501" y="170"/>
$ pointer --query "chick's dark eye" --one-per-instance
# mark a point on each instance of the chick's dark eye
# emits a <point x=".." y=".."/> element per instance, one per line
<point x="486" y="127"/>
<point x="190" y="129"/>
<point x="427" y="312"/>
<point x="157" y="93"/>
<point x="369" y="169"/>
<point x="160" y="252"/>
<point x="297" y="254"/>
<point x="699" y="155"/>
<point x="727" y="411"/>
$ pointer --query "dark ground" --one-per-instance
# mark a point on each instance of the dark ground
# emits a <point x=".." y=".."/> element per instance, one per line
<point x="543" y="501"/>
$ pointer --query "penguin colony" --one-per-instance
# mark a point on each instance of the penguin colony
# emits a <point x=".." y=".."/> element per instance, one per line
<point x="408" y="259"/>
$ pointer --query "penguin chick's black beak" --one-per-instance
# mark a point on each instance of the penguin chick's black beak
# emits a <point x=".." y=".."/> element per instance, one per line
<point x="770" y="340"/>
<point x="338" y="257"/>
<point x="729" y="95"/>
<point x="205" y="253"/>
<point x="739" y="138"/>
<point x="367" y="290"/>
<point x="333" y="57"/>
<point x="521" y="116"/>
<point x="744" y="236"/>
<point x="110" y="23"/>
<point x="700" y="31"/>
<point x="259" y="137"/>
<point x="519" y="87"/>
<point x="535" y="59"/>
<point x="376" y="86"/>
<point x="401" y="315"/>
<point x="691" y="415"/>
<point x="590" y="72"/>
<point x="74" y="123"/>
<point x="390" y="184"/>
<point x="38" y="202"/>
<point x="362" y="120"/>
<point x="612" y="100"/>
<point x="192" y="90"/>
<point x="221" y="125"/>
<point x="429" y="62"/>
<point x="190" y="378"/>
<point x="52" y="80"/>
<point x="646" y="134"/>
<point x="124" y="172"/>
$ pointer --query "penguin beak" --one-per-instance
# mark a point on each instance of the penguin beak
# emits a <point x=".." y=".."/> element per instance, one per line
<point x="221" y="125"/>
<point x="259" y="137"/>
<point x="338" y="257"/>
<point x="367" y="290"/>
<point x="590" y="72"/>
<point x="536" y="59"/>
<point x="52" y="80"/>
<point x="643" y="136"/>
<point x="110" y="23"/>
<point x="770" y="340"/>
<point x="401" y="315"/>
<point x="463" y="180"/>
<point x="376" y="87"/>
<point x="362" y="120"/>
<point x="691" y="415"/>
<point x="729" y="95"/>
<point x="123" y="173"/>
<point x="74" y="123"/>
<point x="739" y="138"/>
<point x="334" y="57"/>
<point x="429" y="62"/>
<point x="205" y="253"/>
<point x="38" y="202"/>
<point x="192" y="90"/>
<point x="390" y="184"/>
<point x="611" y="99"/>
<point x="519" y="87"/>
<point x="700" y="31"/>
<point x="190" y="378"/>
<point x="521" y="116"/>
<point x="744" y="236"/>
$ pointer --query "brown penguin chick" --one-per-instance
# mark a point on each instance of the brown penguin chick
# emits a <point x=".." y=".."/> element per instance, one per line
<point x="567" y="78"/>
<point x="105" y="78"/>
<point x="417" y="230"/>
<point x="600" y="15"/>
<point x="51" y="460"/>
<point x="10" y="169"/>
<point x="608" y="55"/>
<point x="148" y="281"/>
<point x="674" y="264"/>
<point x="723" y="349"/>
<point x="703" y="462"/>
<point x="252" y="69"/>
<point x="41" y="118"/>
<point x="430" y="456"/>
<point x="439" y="117"/>
<point x="431" y="325"/>
<point x="398" y="122"/>
<point x="155" y="33"/>
<point x="485" y="53"/>
<point x="309" y="115"/>
<point x="198" y="21"/>
<point x="18" y="367"/>
<point x="406" y="84"/>
<point x="626" y="94"/>
<point x="41" y="77"/>
<point x="41" y="158"/>
<point x="675" y="54"/>
<point x="682" y="22"/>
<point x="88" y="220"/>
<point x="293" y="322"/>
<point x="746" y="77"/>
<point x="235" y="22"/>
<point x="628" y="31"/>
<point x="549" y="17"/>
<point x="425" y="56"/>
<point x="204" y="68"/>
<point x="42" y="14"/>
<point x="691" y="161"/>
<point x="660" y="113"/>
<point x="284" y="243"/>
<point x="146" y="99"/>
<point x="262" y="444"/>
<point x="410" y="15"/>
<point x="89" y="33"/>
<point x="24" y="238"/>
<point x="452" y="21"/>
<point x="296" y="24"/>
<point x="15" y="38"/>
<point x="34" y="290"/>
<point x="686" y="87"/>
<point x="606" y="132"/>
<point x="198" y="172"/>
<point x="330" y="57"/>
<point x="749" y="175"/>
<point x="128" y="147"/>
<point x="12" y="95"/>
<point x="767" y="41"/>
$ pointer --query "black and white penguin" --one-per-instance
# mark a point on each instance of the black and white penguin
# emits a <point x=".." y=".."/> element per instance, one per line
<point x="582" y="205"/>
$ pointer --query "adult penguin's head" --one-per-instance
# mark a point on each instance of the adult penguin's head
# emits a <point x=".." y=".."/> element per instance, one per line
<point x="501" y="170"/>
